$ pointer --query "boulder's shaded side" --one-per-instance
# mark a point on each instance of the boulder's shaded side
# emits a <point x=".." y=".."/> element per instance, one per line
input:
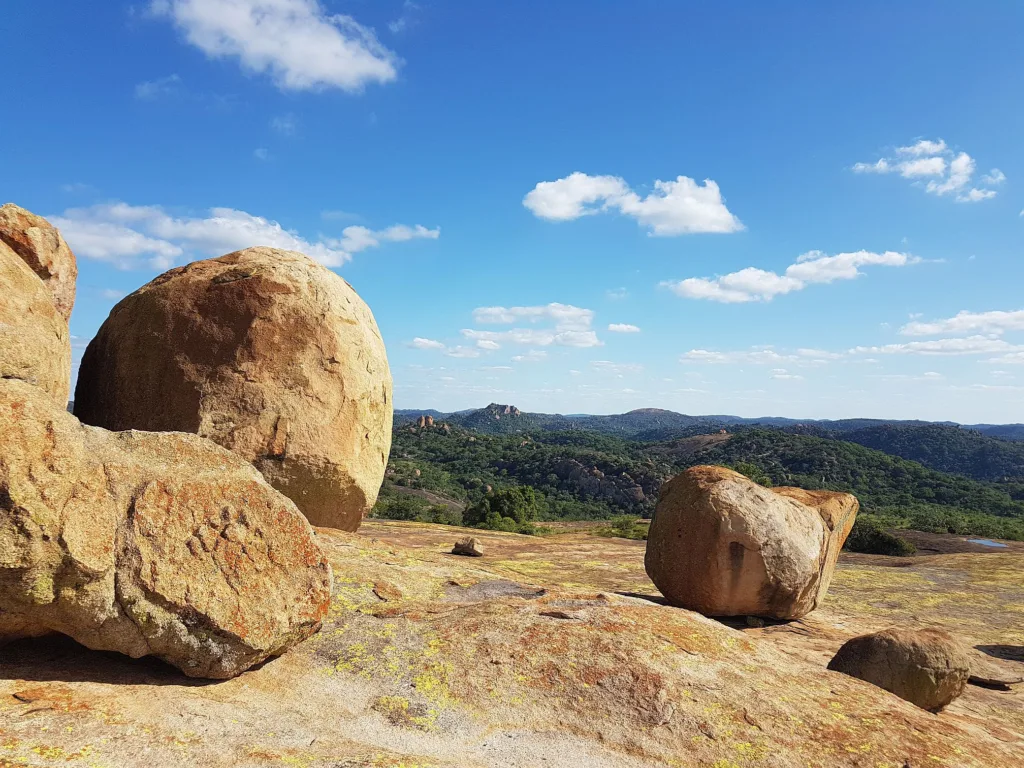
<point x="722" y="545"/>
<point x="41" y="246"/>
<point x="926" y="667"/>
<point x="268" y="354"/>
<point x="161" y="544"/>
<point x="35" y="345"/>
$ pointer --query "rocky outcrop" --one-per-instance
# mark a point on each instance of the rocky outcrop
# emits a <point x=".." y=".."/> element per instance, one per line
<point x="528" y="657"/>
<point x="926" y="667"/>
<point x="722" y="545"/>
<point x="35" y="345"/>
<point x="148" y="544"/>
<point x="268" y="354"/>
<point x="469" y="546"/>
<point x="41" y="246"/>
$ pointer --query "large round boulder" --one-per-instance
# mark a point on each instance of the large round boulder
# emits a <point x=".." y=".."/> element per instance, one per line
<point x="35" y="345"/>
<point x="723" y="545"/>
<point x="148" y="544"/>
<point x="41" y="246"/>
<point x="926" y="667"/>
<point x="265" y="352"/>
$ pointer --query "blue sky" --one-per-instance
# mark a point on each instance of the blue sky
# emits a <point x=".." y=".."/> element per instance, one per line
<point x="805" y="211"/>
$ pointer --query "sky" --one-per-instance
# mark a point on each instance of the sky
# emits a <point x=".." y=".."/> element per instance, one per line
<point x="803" y="209"/>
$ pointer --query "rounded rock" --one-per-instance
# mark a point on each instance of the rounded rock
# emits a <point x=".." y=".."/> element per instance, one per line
<point x="41" y="246"/>
<point x="723" y="545"/>
<point x="265" y="352"/>
<point x="926" y="667"/>
<point x="35" y="346"/>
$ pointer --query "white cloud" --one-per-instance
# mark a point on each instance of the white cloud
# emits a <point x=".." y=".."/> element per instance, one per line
<point x="674" y="207"/>
<point x="617" y="368"/>
<point x="533" y="356"/>
<point x="572" y="326"/>
<point x="994" y="322"/>
<point x="995" y="176"/>
<point x="297" y="42"/>
<point x="460" y="351"/>
<point x="488" y="345"/>
<point x="537" y="337"/>
<point x="923" y="147"/>
<point x="623" y="328"/>
<point x="757" y="356"/>
<point x="971" y="345"/>
<point x="753" y="284"/>
<point x="927" y="158"/>
<point x="150" y="90"/>
<point x="783" y="375"/>
<point x="261" y="153"/>
<point x="420" y="343"/>
<point x="923" y="166"/>
<point x="1010" y="358"/>
<point x="618" y="294"/>
<point x="125" y="234"/>
<point x="357" y="238"/>
<point x="564" y="316"/>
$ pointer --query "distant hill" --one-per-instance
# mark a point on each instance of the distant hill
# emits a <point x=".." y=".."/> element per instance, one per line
<point x="1005" y="431"/>
<point x="948" y="449"/>
<point x="581" y="473"/>
<point x="661" y="424"/>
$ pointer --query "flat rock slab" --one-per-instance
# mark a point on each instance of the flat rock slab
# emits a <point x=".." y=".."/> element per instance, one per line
<point x="575" y="676"/>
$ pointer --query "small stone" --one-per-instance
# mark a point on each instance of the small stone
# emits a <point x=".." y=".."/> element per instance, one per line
<point x="469" y="546"/>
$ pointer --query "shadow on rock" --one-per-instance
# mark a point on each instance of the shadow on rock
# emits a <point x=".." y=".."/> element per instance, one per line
<point x="1008" y="652"/>
<point x="56" y="658"/>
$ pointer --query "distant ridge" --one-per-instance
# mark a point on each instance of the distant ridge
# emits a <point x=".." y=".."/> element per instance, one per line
<point x="663" y="424"/>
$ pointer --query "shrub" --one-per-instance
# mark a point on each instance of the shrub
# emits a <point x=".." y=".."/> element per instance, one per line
<point x="869" y="537"/>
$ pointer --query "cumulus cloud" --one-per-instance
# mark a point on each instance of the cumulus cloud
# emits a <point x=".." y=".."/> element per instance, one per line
<point x="564" y="316"/>
<point x="420" y="343"/>
<point x="948" y="173"/>
<point x="753" y="284"/>
<point x="994" y="322"/>
<point x="571" y="326"/>
<point x="675" y="207"/>
<point x="298" y="43"/>
<point x="125" y="235"/>
<point x="623" y="328"/>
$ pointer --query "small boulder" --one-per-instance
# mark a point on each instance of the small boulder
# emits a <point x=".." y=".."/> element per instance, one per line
<point x="927" y="667"/>
<point x="265" y="352"/>
<point x="35" y="345"/>
<point x="41" y="246"/>
<point x="148" y="544"/>
<point x="723" y="545"/>
<point x="470" y="546"/>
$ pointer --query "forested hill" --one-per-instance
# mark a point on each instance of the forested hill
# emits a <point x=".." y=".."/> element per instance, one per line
<point x="580" y="474"/>
<point x="950" y="449"/>
<point x="660" y="424"/>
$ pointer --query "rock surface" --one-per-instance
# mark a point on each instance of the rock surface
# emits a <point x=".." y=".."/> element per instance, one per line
<point x="526" y="658"/>
<point x="160" y="544"/>
<point x="722" y="545"/>
<point x="41" y="246"/>
<point x="35" y="345"/>
<point x="469" y="546"/>
<point x="268" y="354"/>
<point x="926" y="667"/>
